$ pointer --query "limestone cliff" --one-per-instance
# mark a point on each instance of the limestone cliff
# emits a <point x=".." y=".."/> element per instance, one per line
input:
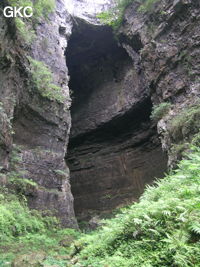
<point x="169" y="37"/>
<point x="35" y="127"/>
<point x="115" y="148"/>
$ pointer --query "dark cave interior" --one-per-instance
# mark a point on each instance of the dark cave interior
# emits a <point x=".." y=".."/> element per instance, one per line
<point x="114" y="150"/>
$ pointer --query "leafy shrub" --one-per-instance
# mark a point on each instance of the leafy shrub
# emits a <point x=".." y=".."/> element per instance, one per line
<point x="114" y="16"/>
<point x="163" y="229"/>
<point x="160" y="110"/>
<point x="23" y="27"/>
<point x="43" y="81"/>
<point x="186" y="123"/>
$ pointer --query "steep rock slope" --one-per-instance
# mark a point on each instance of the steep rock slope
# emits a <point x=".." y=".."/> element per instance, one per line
<point x="35" y="127"/>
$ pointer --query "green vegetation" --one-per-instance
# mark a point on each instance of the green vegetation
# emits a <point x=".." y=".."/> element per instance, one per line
<point x="186" y="60"/>
<point x="20" y="184"/>
<point x="196" y="140"/>
<point x="24" y="231"/>
<point x="114" y="16"/>
<point x="147" y="5"/>
<point x="5" y="122"/>
<point x="186" y="123"/>
<point x="43" y="81"/>
<point x="20" y="3"/>
<point x="160" y="110"/>
<point x="41" y="9"/>
<point x="25" y="31"/>
<point x="163" y="229"/>
<point x="27" y="235"/>
<point x="178" y="149"/>
<point x="16" y="220"/>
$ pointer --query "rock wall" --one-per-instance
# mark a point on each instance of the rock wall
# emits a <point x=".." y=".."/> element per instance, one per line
<point x="170" y="38"/>
<point x="35" y="128"/>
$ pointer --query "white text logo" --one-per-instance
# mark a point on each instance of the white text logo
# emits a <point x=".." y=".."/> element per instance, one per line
<point x="13" y="12"/>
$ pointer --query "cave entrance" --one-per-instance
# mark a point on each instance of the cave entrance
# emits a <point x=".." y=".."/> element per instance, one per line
<point x="113" y="149"/>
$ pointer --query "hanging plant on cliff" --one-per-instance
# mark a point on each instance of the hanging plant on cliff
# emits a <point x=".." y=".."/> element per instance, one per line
<point x="43" y="81"/>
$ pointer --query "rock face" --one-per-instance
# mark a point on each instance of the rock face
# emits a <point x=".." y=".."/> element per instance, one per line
<point x="114" y="149"/>
<point x="36" y="126"/>
<point x="170" y="37"/>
